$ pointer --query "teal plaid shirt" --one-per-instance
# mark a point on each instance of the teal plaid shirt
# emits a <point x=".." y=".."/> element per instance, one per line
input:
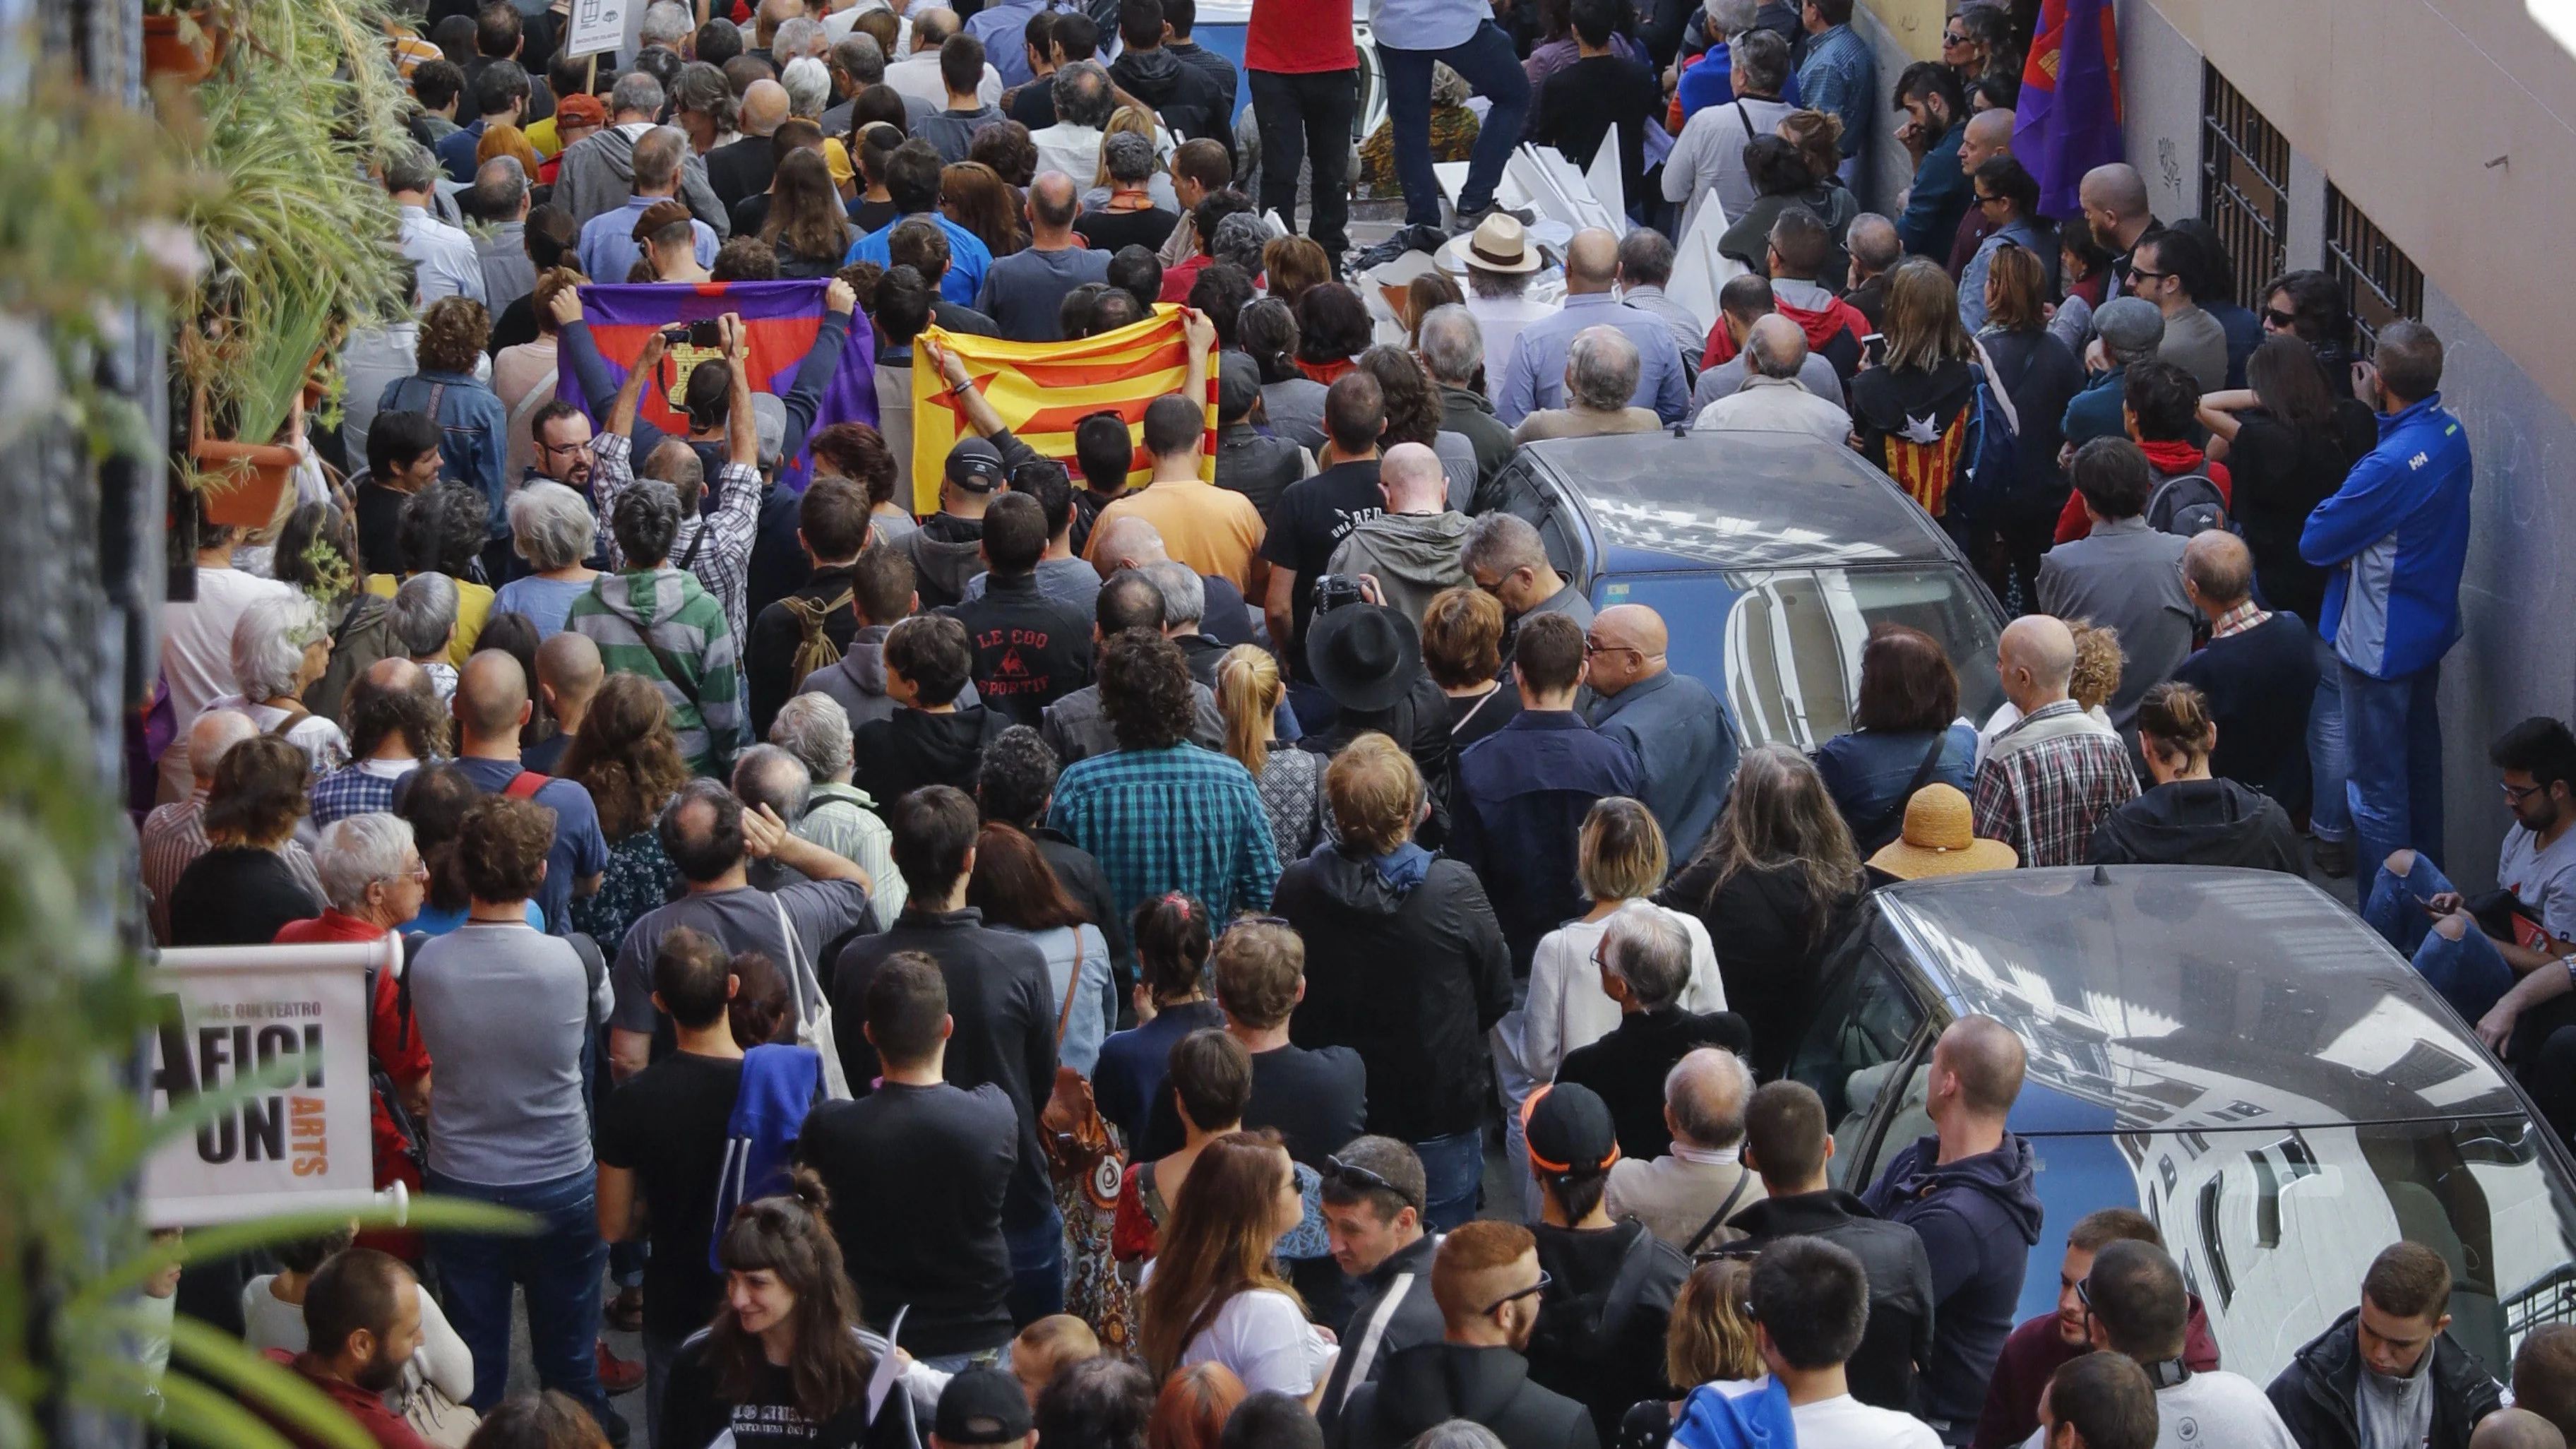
<point x="1182" y="818"/>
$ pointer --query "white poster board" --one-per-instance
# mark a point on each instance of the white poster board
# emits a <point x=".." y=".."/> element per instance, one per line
<point x="596" y="27"/>
<point x="306" y="1144"/>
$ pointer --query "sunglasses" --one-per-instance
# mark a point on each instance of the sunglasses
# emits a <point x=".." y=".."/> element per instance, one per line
<point x="1540" y="1286"/>
<point x="1952" y="37"/>
<point x="1361" y="1177"/>
<point x="2135" y="272"/>
<point x="2282" y="320"/>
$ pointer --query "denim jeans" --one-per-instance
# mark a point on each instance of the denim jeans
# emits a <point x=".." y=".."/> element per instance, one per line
<point x="1493" y="67"/>
<point x="2395" y="776"/>
<point x="1453" y="1177"/>
<point x="1308" y="117"/>
<point x="560" y="1267"/>
<point x="2329" y="813"/>
<point x="1037" y="1269"/>
<point x="2470" y="972"/>
<point x="659" y="1354"/>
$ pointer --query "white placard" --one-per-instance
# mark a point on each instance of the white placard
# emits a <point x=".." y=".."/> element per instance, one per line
<point x="595" y="26"/>
<point x="305" y="1144"/>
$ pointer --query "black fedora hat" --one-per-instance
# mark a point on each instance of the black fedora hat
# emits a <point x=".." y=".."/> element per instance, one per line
<point x="1365" y="655"/>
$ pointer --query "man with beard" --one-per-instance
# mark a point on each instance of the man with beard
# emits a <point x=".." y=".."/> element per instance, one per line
<point x="361" y="1325"/>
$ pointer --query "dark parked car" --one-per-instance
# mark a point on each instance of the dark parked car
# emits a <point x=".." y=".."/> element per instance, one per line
<point x="1770" y="557"/>
<point x="2231" y="1052"/>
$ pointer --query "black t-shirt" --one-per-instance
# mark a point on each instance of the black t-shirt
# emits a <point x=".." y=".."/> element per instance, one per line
<point x="379" y="516"/>
<point x="694" y="1413"/>
<point x="1314" y="515"/>
<point x="917" y="1177"/>
<point x="1318" y="1101"/>
<point x="667" y="1126"/>
<point x="1107" y="231"/>
<point x="237" y="896"/>
<point x="869" y="216"/>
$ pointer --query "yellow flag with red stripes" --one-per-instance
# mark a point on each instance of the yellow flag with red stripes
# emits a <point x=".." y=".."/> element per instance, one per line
<point x="1043" y="390"/>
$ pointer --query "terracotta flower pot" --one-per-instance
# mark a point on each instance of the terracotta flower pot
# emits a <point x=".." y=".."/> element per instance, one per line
<point x="166" y="55"/>
<point x="246" y="479"/>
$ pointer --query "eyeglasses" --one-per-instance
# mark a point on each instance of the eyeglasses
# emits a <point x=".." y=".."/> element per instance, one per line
<point x="1361" y="1177"/>
<point x="2281" y="321"/>
<point x="1989" y="200"/>
<point x="2518" y="793"/>
<point x="1540" y="1286"/>
<point x="1590" y="648"/>
<point x="584" y="446"/>
<point x="2135" y="272"/>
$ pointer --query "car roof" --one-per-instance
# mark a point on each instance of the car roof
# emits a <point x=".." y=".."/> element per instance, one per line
<point x="2193" y="998"/>
<point x="1736" y="500"/>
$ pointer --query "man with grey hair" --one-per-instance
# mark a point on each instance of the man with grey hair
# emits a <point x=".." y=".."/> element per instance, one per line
<point x="598" y="172"/>
<point x="767" y="777"/>
<point x="1686" y="1198"/>
<point x="372" y="881"/>
<point x="1874" y="249"/>
<point x="1535" y="376"/>
<point x="839" y="816"/>
<point x="1645" y="269"/>
<point x="800" y="37"/>
<point x="445" y="258"/>
<point x="500" y="199"/>
<point x="174" y="835"/>
<point x="1504" y="556"/>
<point x="423" y="620"/>
<point x="743" y="167"/>
<point x="1743" y="301"/>
<point x="1601" y="366"/>
<point x="1411" y="551"/>
<point x="656" y="163"/>
<point x="1451" y="344"/>
<point x="1707" y="159"/>
<point x="1083" y="105"/>
<point x="666" y="23"/>
<point x="857" y="62"/>
<point x="1129" y="159"/>
<point x="1645" y="965"/>
<point x="1772" y="400"/>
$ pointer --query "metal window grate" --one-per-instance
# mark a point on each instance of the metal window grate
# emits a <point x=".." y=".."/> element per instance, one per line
<point x="2379" y="283"/>
<point x="2244" y="184"/>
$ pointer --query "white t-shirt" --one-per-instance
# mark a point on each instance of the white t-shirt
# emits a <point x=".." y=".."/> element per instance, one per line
<point x="1847" y="1423"/>
<point x="197" y="657"/>
<point x="2213" y="1410"/>
<point x="1267" y="1342"/>
<point x="2544" y="880"/>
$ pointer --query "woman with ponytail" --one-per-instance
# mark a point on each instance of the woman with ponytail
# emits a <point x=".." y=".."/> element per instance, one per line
<point x="1248" y="691"/>
<point x="1214" y="1294"/>
<point x="1173" y="937"/>
<point x="785" y="1365"/>
<point x="2190" y="818"/>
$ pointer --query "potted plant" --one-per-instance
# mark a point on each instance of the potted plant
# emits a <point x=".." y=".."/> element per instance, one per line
<point x="184" y="43"/>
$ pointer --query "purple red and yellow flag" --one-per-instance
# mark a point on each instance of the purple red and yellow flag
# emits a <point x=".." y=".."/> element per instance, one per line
<point x="1043" y="389"/>
<point x="2068" y="119"/>
<point x="780" y="320"/>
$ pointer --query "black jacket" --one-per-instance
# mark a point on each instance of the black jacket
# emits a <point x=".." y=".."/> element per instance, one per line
<point x="1419" y="722"/>
<point x="1030" y="651"/>
<point x="1084" y="880"/>
<point x="1416" y="1321"/>
<point x="1899" y="1335"/>
<point x="1185" y="95"/>
<point x="913" y="748"/>
<point x="1435" y="1382"/>
<point x="1003" y="1002"/>
<point x="1767" y="956"/>
<point x="1978" y="1217"/>
<point x="740" y="169"/>
<point x="1602" y="1321"/>
<point x="1410" y="977"/>
<point x="2315" y="1394"/>
<point x="769" y="651"/>
<point x="946" y="551"/>
<point x="2200" y="822"/>
<point x="1627" y="1066"/>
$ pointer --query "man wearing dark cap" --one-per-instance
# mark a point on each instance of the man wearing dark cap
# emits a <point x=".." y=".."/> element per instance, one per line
<point x="1248" y="462"/>
<point x="1602" y="1317"/>
<point x="2128" y="330"/>
<point x="948" y="548"/>
<point x="982" y="1408"/>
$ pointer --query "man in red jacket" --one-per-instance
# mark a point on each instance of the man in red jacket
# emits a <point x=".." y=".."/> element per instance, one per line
<point x="1800" y="247"/>
<point x="361" y="1324"/>
<point x="2037" y="1347"/>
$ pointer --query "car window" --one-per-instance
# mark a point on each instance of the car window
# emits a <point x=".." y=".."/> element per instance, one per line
<point x="1788" y="650"/>
<point x="1858" y="1053"/>
<point x="1523" y="490"/>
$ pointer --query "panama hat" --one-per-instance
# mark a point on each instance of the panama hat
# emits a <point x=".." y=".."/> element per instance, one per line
<point x="1941" y="839"/>
<point x="1498" y="244"/>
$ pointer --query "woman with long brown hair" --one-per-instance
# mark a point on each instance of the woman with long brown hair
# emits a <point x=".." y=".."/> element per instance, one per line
<point x="785" y="1365"/>
<point x="625" y="755"/>
<point x="2040" y="374"/>
<point x="1018" y="892"/>
<point x="1214" y="1294"/>
<point x="1922" y="390"/>
<point x="808" y="226"/>
<point x="975" y="196"/>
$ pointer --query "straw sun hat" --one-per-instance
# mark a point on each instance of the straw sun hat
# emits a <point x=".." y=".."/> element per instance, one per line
<point x="1940" y="839"/>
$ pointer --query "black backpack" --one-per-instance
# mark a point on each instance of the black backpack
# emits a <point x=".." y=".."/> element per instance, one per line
<point x="2186" y="505"/>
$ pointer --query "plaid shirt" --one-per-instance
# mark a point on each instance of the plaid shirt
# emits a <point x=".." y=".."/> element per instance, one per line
<point x="723" y="561"/>
<point x="174" y="835"/>
<point x="2044" y="795"/>
<point x="2244" y="616"/>
<point x="354" y="790"/>
<point x="1182" y="818"/>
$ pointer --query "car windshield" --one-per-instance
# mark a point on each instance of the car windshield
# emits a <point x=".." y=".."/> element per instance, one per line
<point x="1787" y="642"/>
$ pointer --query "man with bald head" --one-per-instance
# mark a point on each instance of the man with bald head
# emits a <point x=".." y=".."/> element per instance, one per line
<point x="1989" y="134"/>
<point x="1686" y="1198"/>
<point x="568" y="674"/>
<point x="1966" y="1192"/>
<point x="1772" y="399"/>
<point x="742" y="168"/>
<point x="2052" y="774"/>
<point x="492" y="706"/>
<point x="1413" y="548"/>
<point x="1024" y="292"/>
<point x="1677" y="728"/>
<point x="174" y="835"/>
<point x="2516" y="1429"/>
<point x="2115" y="202"/>
<point x="1131" y="541"/>
<point x="1534" y="378"/>
<point x="2258" y="671"/>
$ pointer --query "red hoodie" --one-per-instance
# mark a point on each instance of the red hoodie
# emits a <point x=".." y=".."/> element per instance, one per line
<point x="2170" y="460"/>
<point x="1822" y="325"/>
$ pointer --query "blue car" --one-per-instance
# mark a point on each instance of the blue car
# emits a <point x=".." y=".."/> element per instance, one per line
<point x="1770" y="557"/>
<point x="2231" y="1052"/>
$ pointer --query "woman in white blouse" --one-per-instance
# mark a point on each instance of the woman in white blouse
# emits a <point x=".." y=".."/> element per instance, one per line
<point x="1212" y="1294"/>
<point x="1620" y="858"/>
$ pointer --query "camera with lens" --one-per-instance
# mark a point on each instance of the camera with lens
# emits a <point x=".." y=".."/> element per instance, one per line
<point x="694" y="334"/>
<point x="1332" y="591"/>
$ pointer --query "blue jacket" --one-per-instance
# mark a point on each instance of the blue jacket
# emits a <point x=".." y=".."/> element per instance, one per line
<point x="2096" y="411"/>
<point x="968" y="258"/>
<point x="2396" y="535"/>
<point x="1756" y="1419"/>
<point x="780" y="1084"/>
<point x="473" y="433"/>
<point x="1978" y="1218"/>
<point x="1684" y="745"/>
<point x="1517" y="802"/>
<point x="1711" y="83"/>
<point x="1940" y="197"/>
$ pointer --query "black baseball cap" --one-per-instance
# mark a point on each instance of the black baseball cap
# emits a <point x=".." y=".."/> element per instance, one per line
<point x="1569" y="1131"/>
<point x="982" y="1406"/>
<point x="975" y="465"/>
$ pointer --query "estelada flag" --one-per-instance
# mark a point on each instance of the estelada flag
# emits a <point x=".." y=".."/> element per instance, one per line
<point x="1043" y="389"/>
<point x="780" y="321"/>
<point x="2068" y="118"/>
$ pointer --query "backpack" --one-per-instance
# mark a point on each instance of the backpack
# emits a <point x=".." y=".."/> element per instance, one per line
<point x="814" y="648"/>
<point x="379" y="1078"/>
<point x="1989" y="456"/>
<point x="2187" y="504"/>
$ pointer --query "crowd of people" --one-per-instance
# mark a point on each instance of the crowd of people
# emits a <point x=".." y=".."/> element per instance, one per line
<point x="1056" y="965"/>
